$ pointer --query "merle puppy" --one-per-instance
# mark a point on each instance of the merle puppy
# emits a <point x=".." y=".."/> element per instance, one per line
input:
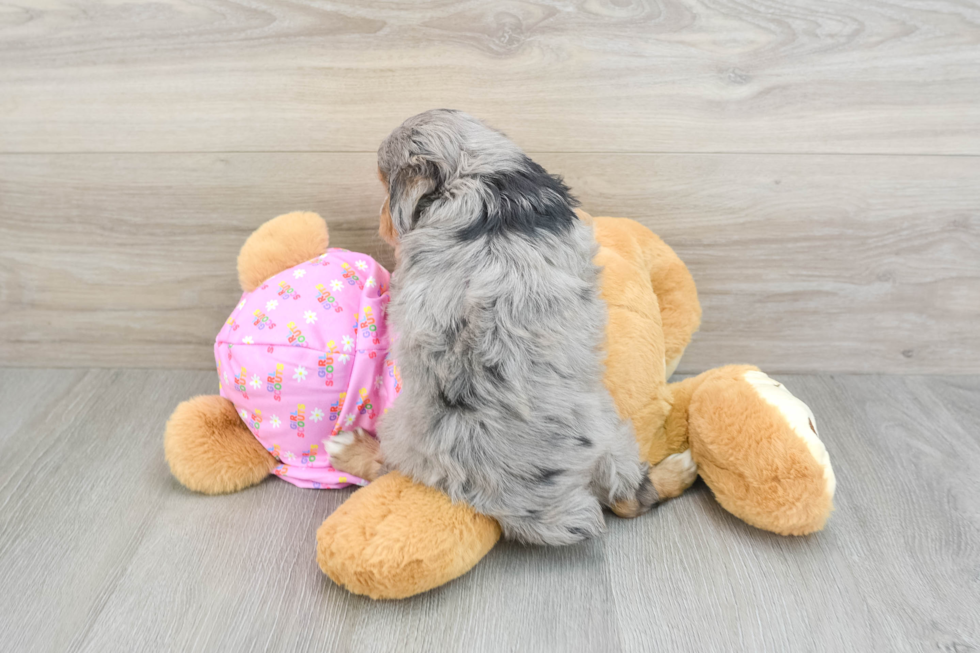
<point x="495" y="302"/>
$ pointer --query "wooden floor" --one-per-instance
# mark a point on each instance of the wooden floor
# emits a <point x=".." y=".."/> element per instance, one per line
<point x="101" y="550"/>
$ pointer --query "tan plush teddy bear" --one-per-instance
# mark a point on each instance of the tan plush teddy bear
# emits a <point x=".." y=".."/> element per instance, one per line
<point x="755" y="444"/>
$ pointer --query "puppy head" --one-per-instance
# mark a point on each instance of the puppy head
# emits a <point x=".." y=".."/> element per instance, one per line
<point x="422" y="157"/>
<point x="446" y="168"/>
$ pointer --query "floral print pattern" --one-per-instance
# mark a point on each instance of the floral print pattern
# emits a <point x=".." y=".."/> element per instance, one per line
<point x="320" y="365"/>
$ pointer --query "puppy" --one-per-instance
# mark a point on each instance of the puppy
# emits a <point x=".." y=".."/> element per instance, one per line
<point x="495" y="303"/>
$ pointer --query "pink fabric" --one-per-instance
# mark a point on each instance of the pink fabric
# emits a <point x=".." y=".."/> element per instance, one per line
<point x="305" y="356"/>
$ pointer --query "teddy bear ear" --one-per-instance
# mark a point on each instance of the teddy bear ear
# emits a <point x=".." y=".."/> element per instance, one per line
<point x="279" y="244"/>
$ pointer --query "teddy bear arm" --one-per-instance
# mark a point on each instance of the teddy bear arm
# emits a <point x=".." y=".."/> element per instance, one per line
<point x="210" y="450"/>
<point x="396" y="538"/>
<point x="634" y="346"/>
<point x="672" y="282"/>
<point x="675" y="289"/>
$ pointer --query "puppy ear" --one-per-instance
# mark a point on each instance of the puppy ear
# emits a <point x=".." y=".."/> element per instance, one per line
<point x="410" y="191"/>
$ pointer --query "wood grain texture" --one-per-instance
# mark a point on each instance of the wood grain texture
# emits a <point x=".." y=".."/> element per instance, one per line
<point x="891" y="76"/>
<point x="834" y="263"/>
<point x="101" y="550"/>
<point x="815" y="163"/>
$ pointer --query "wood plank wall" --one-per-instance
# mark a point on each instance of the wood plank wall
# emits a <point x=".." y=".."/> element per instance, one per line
<point x="816" y="164"/>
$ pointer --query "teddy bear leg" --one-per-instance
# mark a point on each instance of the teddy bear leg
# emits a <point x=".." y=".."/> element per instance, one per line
<point x="396" y="538"/>
<point x="210" y="450"/>
<point x="757" y="448"/>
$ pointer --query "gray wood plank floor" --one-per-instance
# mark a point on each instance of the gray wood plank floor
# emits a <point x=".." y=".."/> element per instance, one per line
<point x="100" y="550"/>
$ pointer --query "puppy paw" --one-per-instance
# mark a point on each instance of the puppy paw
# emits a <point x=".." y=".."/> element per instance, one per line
<point x="674" y="474"/>
<point x="355" y="452"/>
<point x="645" y="498"/>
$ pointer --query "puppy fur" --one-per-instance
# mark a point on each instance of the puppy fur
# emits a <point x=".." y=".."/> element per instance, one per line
<point x="495" y="302"/>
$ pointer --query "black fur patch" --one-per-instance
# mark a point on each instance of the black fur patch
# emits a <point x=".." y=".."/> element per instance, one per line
<point x="401" y="182"/>
<point x="583" y="441"/>
<point x="493" y="371"/>
<point x="546" y="475"/>
<point x="526" y="201"/>
<point x="423" y="206"/>
<point x="457" y="402"/>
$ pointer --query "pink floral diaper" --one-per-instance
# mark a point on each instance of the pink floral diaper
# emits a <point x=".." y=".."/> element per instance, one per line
<point x="305" y="356"/>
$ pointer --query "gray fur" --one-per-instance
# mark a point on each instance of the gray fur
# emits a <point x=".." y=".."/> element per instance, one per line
<point x="500" y="329"/>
